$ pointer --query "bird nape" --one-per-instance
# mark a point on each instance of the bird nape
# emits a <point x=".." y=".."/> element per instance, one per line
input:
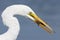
<point x="10" y="21"/>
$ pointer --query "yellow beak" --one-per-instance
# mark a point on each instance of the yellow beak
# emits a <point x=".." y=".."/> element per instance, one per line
<point x="41" y="23"/>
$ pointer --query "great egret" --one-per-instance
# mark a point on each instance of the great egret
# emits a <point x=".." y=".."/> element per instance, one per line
<point x="10" y="21"/>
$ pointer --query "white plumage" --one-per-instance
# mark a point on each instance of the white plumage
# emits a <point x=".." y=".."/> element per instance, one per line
<point x="10" y="21"/>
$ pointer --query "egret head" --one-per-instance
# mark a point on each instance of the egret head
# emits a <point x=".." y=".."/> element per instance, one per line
<point x="29" y="13"/>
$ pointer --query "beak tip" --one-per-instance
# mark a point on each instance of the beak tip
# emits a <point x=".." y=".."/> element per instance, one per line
<point x="48" y="29"/>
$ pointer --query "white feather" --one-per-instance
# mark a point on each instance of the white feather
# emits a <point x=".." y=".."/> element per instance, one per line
<point x="12" y="22"/>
